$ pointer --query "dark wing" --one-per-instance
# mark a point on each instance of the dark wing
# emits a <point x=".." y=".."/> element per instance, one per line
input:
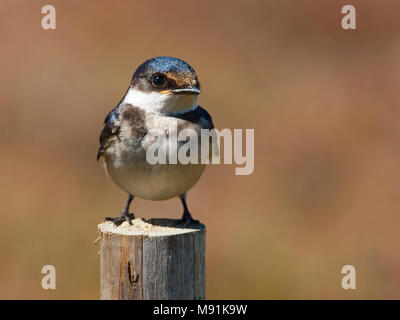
<point x="110" y="131"/>
<point x="198" y="116"/>
<point x="201" y="117"/>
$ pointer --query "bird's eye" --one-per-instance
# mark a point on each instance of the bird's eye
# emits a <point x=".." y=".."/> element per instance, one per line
<point x="158" y="80"/>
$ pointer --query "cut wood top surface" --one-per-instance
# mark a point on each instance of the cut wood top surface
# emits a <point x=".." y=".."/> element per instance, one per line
<point x="151" y="227"/>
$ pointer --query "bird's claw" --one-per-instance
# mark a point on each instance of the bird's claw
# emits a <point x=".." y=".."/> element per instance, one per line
<point x="123" y="217"/>
<point x="186" y="222"/>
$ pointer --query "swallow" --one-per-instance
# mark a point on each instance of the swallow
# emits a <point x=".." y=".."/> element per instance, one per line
<point x="162" y="91"/>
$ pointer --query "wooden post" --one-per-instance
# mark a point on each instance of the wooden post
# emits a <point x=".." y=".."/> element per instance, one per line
<point x="152" y="260"/>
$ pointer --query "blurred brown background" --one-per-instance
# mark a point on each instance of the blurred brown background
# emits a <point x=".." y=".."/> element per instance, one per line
<point x="324" y="103"/>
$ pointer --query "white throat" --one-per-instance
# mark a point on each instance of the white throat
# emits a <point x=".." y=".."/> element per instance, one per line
<point x="161" y="103"/>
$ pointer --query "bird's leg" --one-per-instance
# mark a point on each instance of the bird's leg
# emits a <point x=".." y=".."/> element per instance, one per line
<point x="186" y="217"/>
<point x="125" y="215"/>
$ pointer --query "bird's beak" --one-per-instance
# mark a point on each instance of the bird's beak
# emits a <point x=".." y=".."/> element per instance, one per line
<point x="191" y="90"/>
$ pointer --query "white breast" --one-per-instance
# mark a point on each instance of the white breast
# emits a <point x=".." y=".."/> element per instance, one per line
<point x="128" y="168"/>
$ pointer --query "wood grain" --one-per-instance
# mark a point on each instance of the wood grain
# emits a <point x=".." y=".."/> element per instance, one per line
<point x="152" y="259"/>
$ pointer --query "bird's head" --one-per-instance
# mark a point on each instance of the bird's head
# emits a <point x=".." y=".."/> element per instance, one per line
<point x="164" y="84"/>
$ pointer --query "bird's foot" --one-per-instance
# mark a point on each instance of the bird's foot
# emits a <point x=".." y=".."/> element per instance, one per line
<point x="124" y="216"/>
<point x="186" y="221"/>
